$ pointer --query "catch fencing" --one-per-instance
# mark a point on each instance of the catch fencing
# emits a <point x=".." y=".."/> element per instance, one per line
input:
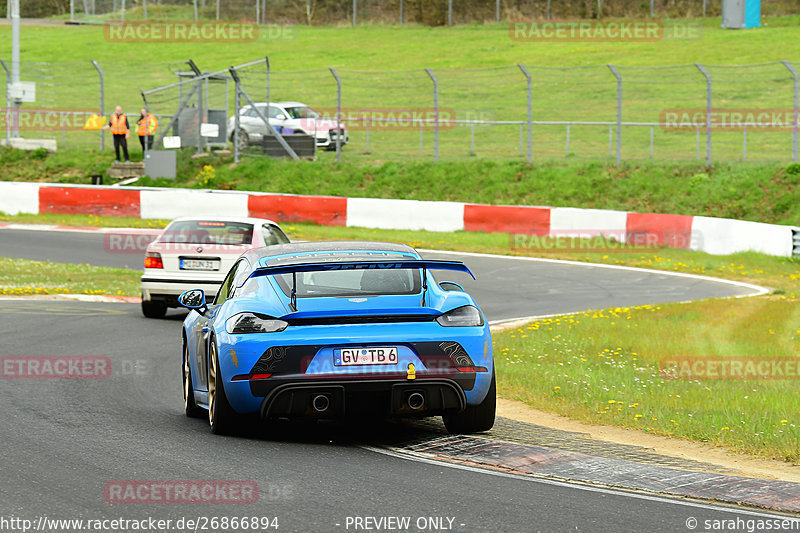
<point x="685" y="112"/>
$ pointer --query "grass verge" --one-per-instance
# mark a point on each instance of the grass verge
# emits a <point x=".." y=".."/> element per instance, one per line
<point x="22" y="277"/>
<point x="605" y="367"/>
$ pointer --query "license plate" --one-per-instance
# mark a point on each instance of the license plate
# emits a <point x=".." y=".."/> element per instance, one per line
<point x="377" y="355"/>
<point x="199" y="264"/>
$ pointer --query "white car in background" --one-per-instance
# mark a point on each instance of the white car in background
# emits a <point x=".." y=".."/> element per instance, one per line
<point x="197" y="253"/>
<point x="286" y="117"/>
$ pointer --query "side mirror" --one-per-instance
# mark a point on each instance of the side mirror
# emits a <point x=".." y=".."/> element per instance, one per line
<point x="193" y="299"/>
<point x="451" y="286"/>
<point x="280" y="116"/>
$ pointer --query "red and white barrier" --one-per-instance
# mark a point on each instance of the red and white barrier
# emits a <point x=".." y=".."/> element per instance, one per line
<point x="718" y="236"/>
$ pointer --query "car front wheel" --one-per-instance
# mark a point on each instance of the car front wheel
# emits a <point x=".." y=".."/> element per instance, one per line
<point x="475" y="418"/>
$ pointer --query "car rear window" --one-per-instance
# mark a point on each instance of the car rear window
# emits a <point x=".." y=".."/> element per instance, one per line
<point x="352" y="282"/>
<point x="208" y="232"/>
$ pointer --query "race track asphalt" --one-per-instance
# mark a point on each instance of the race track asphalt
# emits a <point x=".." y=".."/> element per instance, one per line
<point x="64" y="439"/>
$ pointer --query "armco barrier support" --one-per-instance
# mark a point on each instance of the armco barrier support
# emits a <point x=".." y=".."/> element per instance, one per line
<point x="713" y="235"/>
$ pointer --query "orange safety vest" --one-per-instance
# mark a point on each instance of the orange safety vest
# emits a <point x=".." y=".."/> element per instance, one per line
<point x="118" y="124"/>
<point x="147" y="125"/>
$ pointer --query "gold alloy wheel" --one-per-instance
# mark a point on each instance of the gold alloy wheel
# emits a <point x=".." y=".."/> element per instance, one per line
<point x="212" y="381"/>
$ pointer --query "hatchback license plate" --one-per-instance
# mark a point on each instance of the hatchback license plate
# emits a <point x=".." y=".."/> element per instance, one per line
<point x="378" y="355"/>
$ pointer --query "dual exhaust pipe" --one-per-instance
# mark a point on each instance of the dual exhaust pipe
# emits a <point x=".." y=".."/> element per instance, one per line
<point x="322" y="402"/>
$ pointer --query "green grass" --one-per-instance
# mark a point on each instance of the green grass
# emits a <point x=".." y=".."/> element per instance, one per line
<point x="22" y="277"/>
<point x="604" y="367"/>
<point x="772" y="193"/>
<point x="368" y="58"/>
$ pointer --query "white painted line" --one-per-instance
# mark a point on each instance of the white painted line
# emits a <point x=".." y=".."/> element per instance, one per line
<point x="675" y="500"/>
<point x="759" y="291"/>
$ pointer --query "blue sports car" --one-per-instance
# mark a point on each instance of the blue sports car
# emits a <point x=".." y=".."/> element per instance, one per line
<point x="338" y="329"/>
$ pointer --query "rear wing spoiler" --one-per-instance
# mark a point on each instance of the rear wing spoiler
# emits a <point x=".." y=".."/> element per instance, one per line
<point x="362" y="265"/>
<point x="384" y="264"/>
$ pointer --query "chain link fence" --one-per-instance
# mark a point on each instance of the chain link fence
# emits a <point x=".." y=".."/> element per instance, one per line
<point x="426" y="12"/>
<point x="604" y="111"/>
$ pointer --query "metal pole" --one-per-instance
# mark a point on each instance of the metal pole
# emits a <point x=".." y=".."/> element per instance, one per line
<point x="652" y="8"/>
<point x="497" y="11"/>
<point x="795" y="124"/>
<point x="567" y="139"/>
<point x="200" y="116"/>
<point x="237" y="103"/>
<point x="355" y="12"/>
<point x="268" y="81"/>
<point x="194" y="3"/>
<point x="8" y="103"/>
<point x="15" y="66"/>
<point x="435" y="114"/>
<point x="401" y="12"/>
<point x="708" y="111"/>
<point x="72" y="10"/>
<point x="218" y="9"/>
<point x="144" y="7"/>
<point x="123" y="11"/>
<point x="704" y="8"/>
<point x="102" y="104"/>
<point x="619" y="111"/>
<point x="449" y="12"/>
<point x="338" y="115"/>
<point x="744" y="142"/>
<point x="472" y="137"/>
<point x="549" y="2"/>
<point x="529" y="83"/>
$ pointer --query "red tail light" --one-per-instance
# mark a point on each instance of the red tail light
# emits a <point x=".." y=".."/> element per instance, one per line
<point x="472" y="369"/>
<point x="249" y="377"/>
<point x="153" y="260"/>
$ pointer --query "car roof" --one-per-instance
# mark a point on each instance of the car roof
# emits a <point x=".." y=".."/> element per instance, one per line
<point x="244" y="220"/>
<point x="284" y="104"/>
<point x="298" y="252"/>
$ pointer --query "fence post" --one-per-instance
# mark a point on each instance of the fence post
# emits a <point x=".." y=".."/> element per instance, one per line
<point x="401" y="12"/>
<point x="338" y="115"/>
<point x="237" y="104"/>
<point x="449" y="12"/>
<point x="530" y="111"/>
<point x="616" y="74"/>
<point x="8" y="103"/>
<point x="708" y="111"/>
<point x="123" y="10"/>
<point x="435" y="114"/>
<point x="102" y="104"/>
<point x="497" y="11"/>
<point x="194" y="3"/>
<point x="744" y="142"/>
<point x="144" y="7"/>
<point x="355" y="12"/>
<point x="652" y="8"/>
<point x="795" y="124"/>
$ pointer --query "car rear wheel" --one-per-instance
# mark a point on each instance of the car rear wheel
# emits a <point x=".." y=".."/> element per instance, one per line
<point x="475" y="418"/>
<point x="221" y="416"/>
<point x="153" y="309"/>
<point x="189" y="406"/>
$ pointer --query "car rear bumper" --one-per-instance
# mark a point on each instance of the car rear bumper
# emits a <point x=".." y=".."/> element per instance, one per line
<point x="164" y="289"/>
<point x="295" y="398"/>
